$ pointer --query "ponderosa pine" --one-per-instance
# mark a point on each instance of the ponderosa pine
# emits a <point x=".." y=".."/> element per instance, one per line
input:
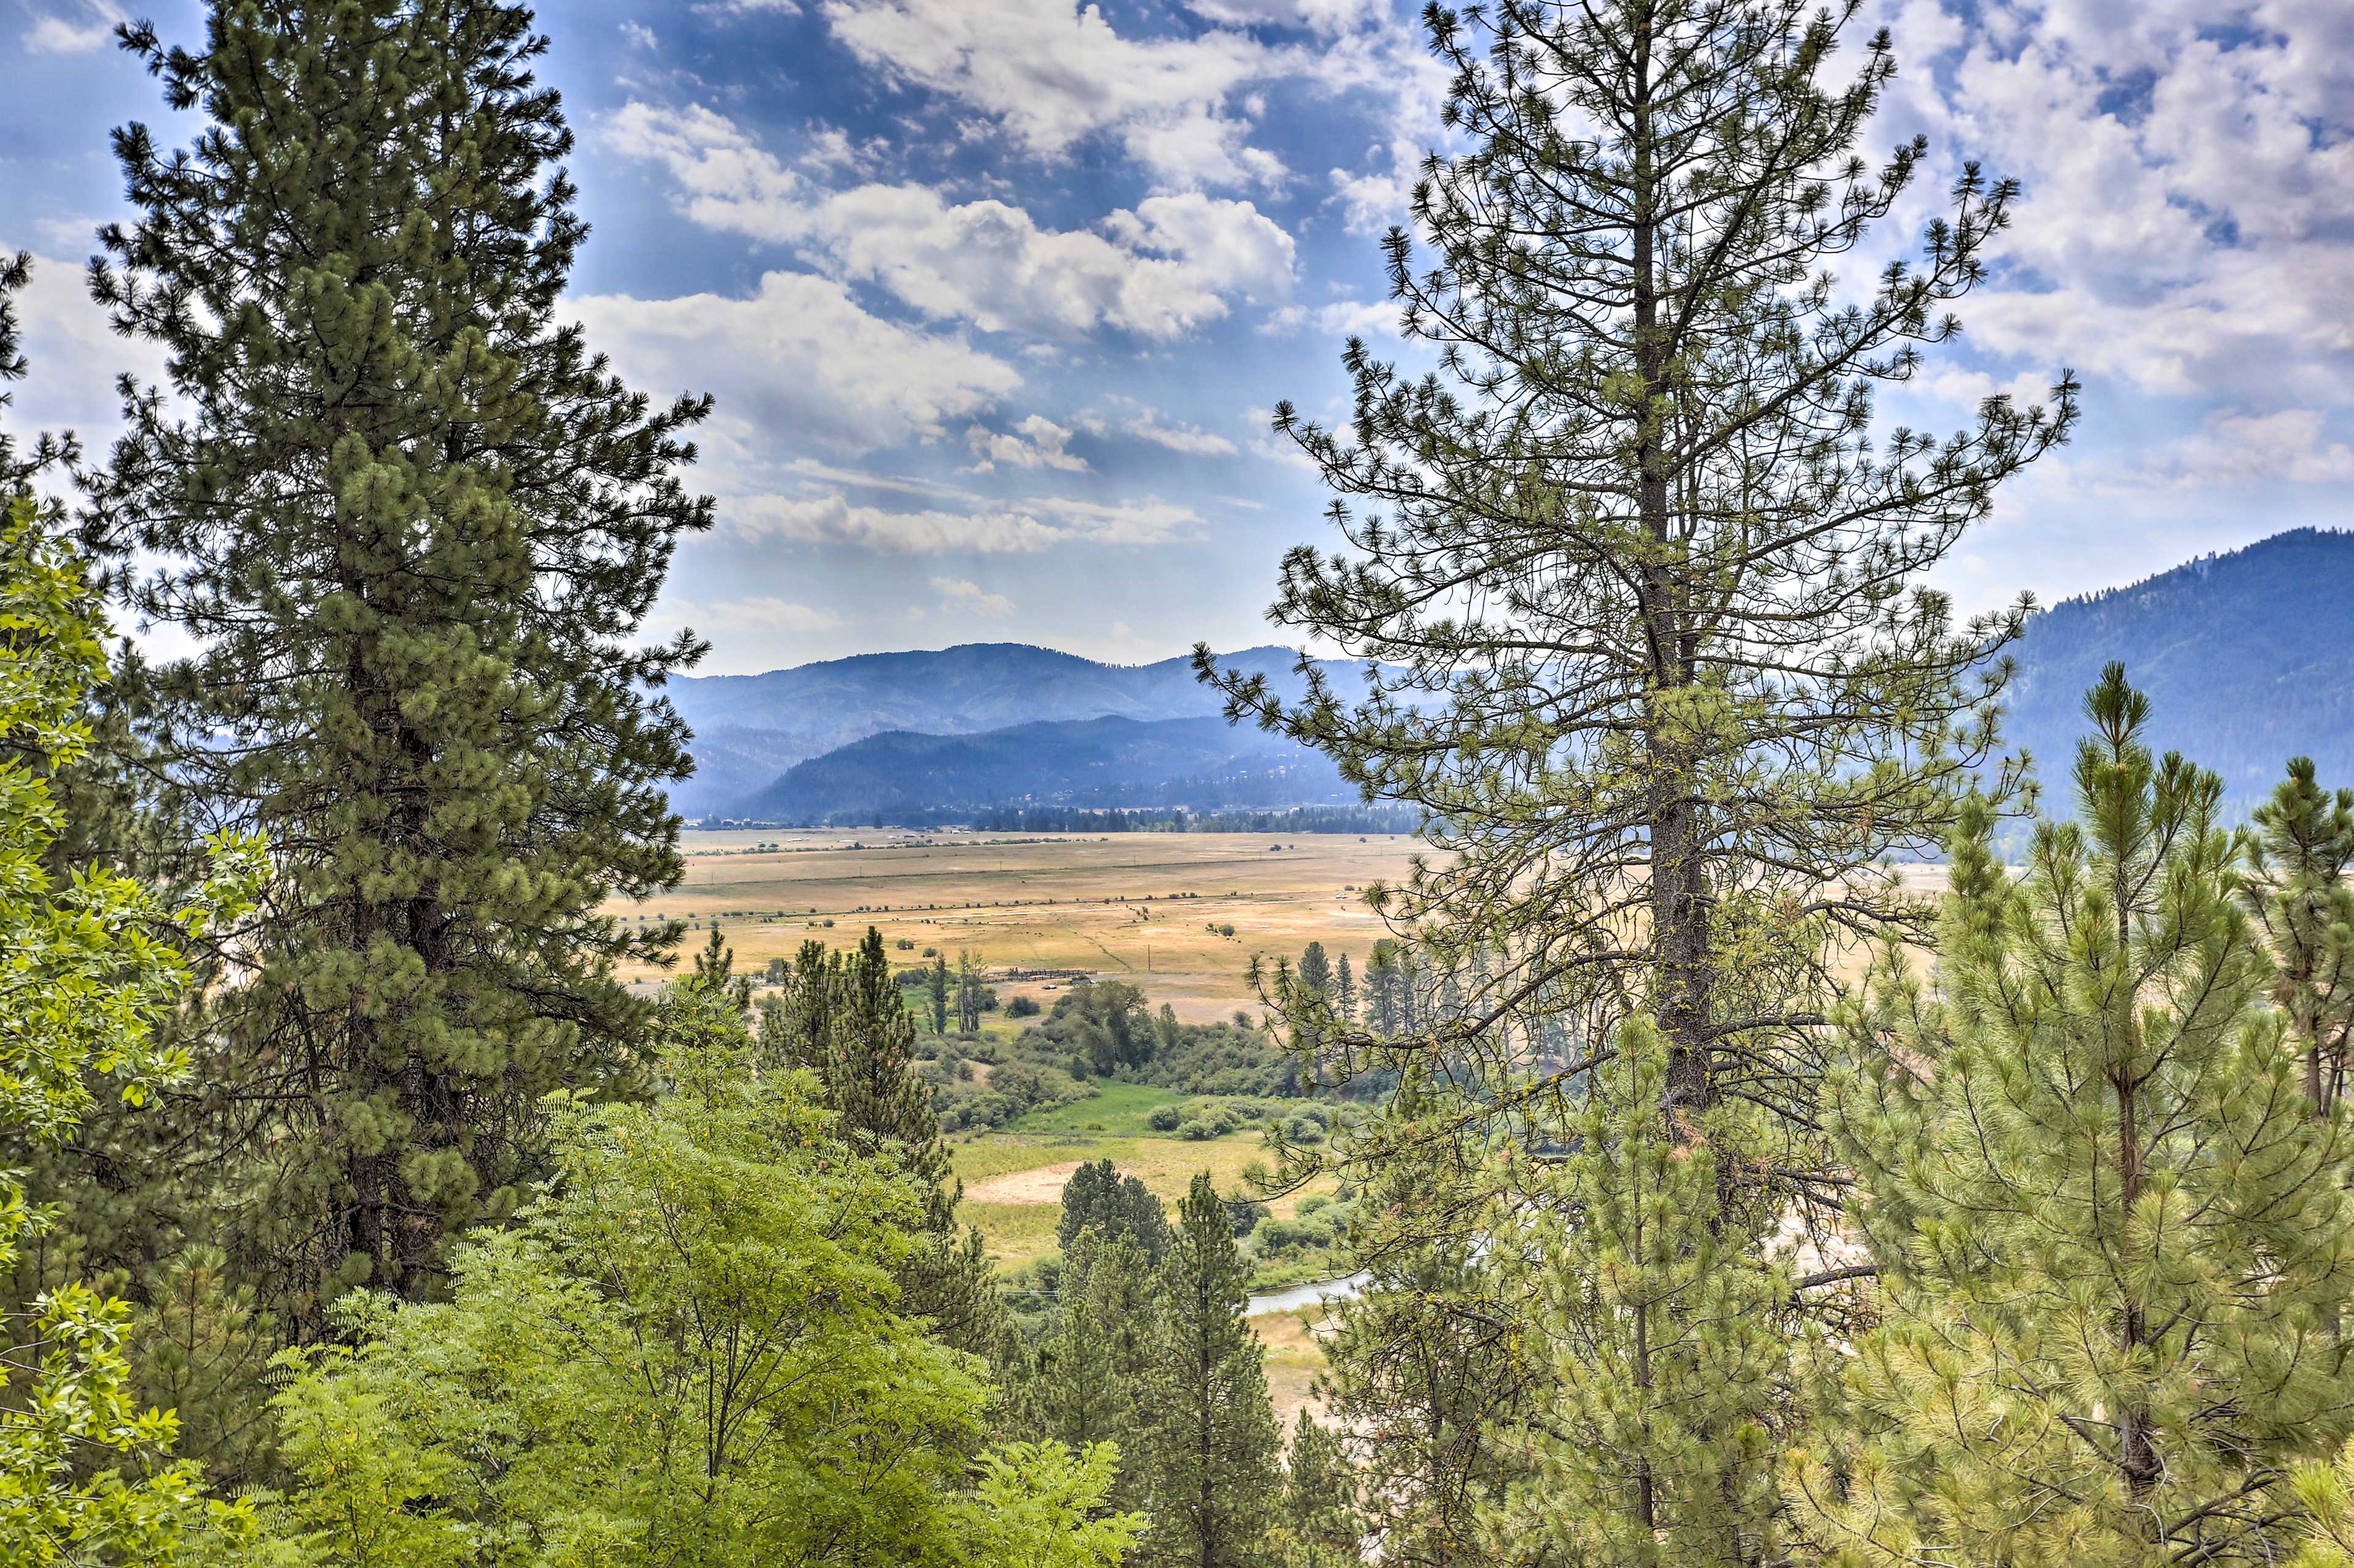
<point x="845" y="1019"/>
<point x="1211" y="1484"/>
<point x="2112" y="1231"/>
<point x="414" y="524"/>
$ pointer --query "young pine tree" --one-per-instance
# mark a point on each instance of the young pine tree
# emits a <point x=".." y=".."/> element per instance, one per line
<point x="413" y="525"/>
<point x="1320" y="1527"/>
<point x="1213" y="1483"/>
<point x="1089" y="1378"/>
<point x="1657" y="1334"/>
<point x="845" y="1020"/>
<point x="2298" y="851"/>
<point x="2112" y="1231"/>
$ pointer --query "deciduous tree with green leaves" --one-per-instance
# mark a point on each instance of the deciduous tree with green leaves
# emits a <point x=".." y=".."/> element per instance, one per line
<point x="87" y="968"/>
<point x="2112" y="1230"/>
<point x="692" y="1351"/>
<point x="414" y="524"/>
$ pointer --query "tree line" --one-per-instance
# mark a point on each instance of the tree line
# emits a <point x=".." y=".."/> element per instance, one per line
<point x="1725" y="1197"/>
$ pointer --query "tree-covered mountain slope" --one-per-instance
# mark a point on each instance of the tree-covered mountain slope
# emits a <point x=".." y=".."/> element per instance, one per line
<point x="1087" y="763"/>
<point x="2238" y="652"/>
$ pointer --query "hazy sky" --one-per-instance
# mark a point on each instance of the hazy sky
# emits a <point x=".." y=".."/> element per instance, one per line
<point x="995" y="295"/>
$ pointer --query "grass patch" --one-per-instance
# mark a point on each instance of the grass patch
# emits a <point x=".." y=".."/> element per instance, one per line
<point x="1015" y="1232"/>
<point x="1118" y="1110"/>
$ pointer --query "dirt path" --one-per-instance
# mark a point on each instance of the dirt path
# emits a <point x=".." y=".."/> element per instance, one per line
<point x="1043" y="1184"/>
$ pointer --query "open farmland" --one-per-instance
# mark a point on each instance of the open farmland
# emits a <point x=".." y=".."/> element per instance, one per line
<point x="1131" y="906"/>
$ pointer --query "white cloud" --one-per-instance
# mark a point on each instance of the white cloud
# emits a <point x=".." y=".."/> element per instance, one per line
<point x="74" y="357"/>
<point x="1052" y="76"/>
<point x="86" y="26"/>
<point x="2289" y="444"/>
<point x="1343" y="318"/>
<point x="956" y="594"/>
<point x="640" y="36"/>
<point x="1190" y="440"/>
<point x="737" y="619"/>
<point x="1037" y="442"/>
<point x="995" y="529"/>
<point x="798" y="363"/>
<point x="1326" y="17"/>
<point x="2188" y="224"/>
<point x="1169" y="265"/>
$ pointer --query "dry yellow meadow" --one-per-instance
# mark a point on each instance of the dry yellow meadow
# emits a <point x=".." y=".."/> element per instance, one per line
<point x="1133" y="907"/>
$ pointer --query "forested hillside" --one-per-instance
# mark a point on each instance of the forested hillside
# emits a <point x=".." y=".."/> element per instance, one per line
<point x="2226" y="648"/>
<point x="1204" y="763"/>
<point x="2217" y="643"/>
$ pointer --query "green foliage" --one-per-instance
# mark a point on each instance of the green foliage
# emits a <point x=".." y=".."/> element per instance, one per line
<point x="86" y="1476"/>
<point x="1320" y="1527"/>
<point x="2298" y="851"/>
<point x="1659" y="1335"/>
<point x="1099" y="1198"/>
<point x="383" y="472"/>
<point x="692" y="1350"/>
<point x="2112" y="1234"/>
<point x="1088" y="1379"/>
<point x="1213" y="1484"/>
<point x="843" y="1019"/>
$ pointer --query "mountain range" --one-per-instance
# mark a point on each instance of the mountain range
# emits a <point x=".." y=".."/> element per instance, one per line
<point x="2232" y="649"/>
<point x="750" y="729"/>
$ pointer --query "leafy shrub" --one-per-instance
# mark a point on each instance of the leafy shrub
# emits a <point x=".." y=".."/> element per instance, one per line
<point x="1022" y="1007"/>
<point x="1164" y="1118"/>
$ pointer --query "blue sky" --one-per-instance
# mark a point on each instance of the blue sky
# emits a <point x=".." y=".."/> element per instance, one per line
<point x="996" y="294"/>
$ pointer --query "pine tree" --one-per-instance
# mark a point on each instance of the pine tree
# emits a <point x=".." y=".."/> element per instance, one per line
<point x="1213" y="1484"/>
<point x="1088" y="1379"/>
<point x="1315" y="970"/>
<point x="845" y="1020"/>
<point x="940" y="993"/>
<point x="1321" y="1528"/>
<point x="1658" y="1340"/>
<point x="1099" y="1198"/>
<point x="1636" y="577"/>
<point x="2112" y="1234"/>
<point x="1344" y="992"/>
<point x="2299" y="850"/>
<point x="384" y="474"/>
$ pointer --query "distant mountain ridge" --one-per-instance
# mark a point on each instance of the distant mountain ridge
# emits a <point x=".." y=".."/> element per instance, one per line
<point x="2235" y="651"/>
<point x="749" y="729"/>
<point x="1202" y="763"/>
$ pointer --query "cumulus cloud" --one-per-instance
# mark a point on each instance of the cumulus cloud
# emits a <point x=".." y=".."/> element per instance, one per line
<point x="1035" y="442"/>
<point x="1159" y="270"/>
<point x="955" y="593"/>
<point x="1343" y="318"/>
<point x="1052" y="79"/>
<point x="799" y="362"/>
<point x="2187" y="225"/>
<point x="78" y="30"/>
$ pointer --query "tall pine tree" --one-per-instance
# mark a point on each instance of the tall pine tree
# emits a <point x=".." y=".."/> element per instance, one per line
<point x="845" y="1020"/>
<point x="414" y="524"/>
<point x="2112" y="1234"/>
<point x="1213" y="1485"/>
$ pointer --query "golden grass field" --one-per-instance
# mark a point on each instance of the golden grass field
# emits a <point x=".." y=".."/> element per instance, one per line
<point x="1107" y="905"/>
